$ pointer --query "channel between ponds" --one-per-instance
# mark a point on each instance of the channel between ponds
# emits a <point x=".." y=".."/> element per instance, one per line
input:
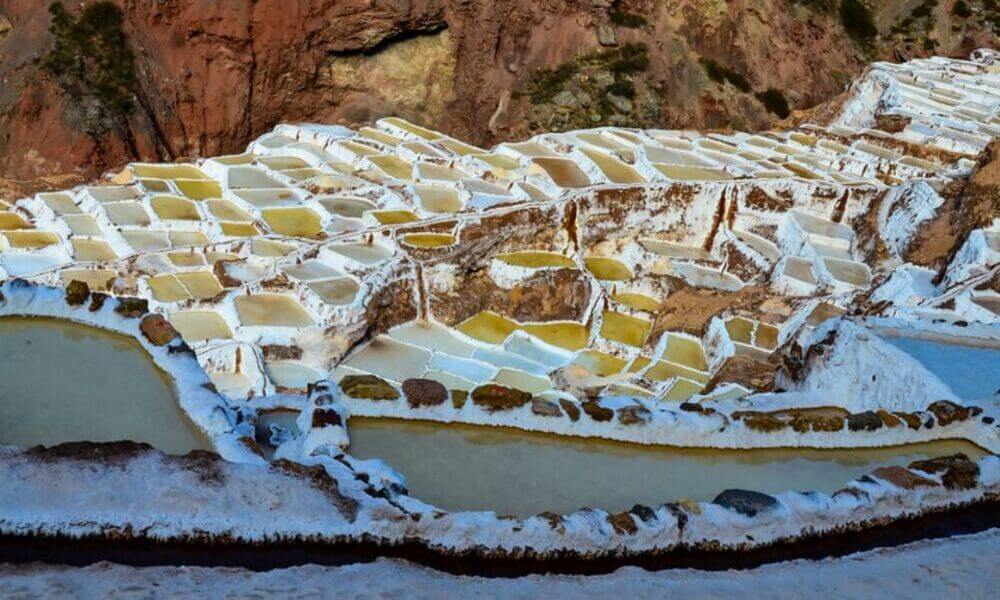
<point x="63" y="381"/>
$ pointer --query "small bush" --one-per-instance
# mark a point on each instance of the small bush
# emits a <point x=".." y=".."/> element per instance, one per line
<point x="623" y="88"/>
<point x="961" y="10"/>
<point x="774" y="101"/>
<point x="720" y="74"/>
<point x="632" y="59"/>
<point x="858" y="21"/>
<point x="925" y="9"/>
<point x="91" y="56"/>
<point x="546" y="83"/>
<point x="626" y="19"/>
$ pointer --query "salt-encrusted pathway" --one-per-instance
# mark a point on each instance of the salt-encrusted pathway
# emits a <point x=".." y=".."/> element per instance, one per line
<point x="960" y="567"/>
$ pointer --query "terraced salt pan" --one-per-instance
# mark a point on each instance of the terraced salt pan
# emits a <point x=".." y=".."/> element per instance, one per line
<point x="63" y="382"/>
<point x="517" y="473"/>
<point x="971" y="371"/>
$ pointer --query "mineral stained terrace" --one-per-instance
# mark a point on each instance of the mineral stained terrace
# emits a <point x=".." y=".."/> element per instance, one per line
<point x="651" y="286"/>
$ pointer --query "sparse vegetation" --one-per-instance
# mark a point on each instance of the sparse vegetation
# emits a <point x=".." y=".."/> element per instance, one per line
<point x="546" y="83"/>
<point x="626" y="19"/>
<point x="961" y="9"/>
<point x="924" y="10"/>
<point x="858" y="21"/>
<point x="594" y="88"/>
<point x="90" y="56"/>
<point x="624" y="88"/>
<point x="631" y="59"/>
<point x="721" y="74"/>
<point x="774" y="101"/>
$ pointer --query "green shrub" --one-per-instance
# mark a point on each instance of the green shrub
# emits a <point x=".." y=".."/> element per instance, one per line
<point x="626" y="19"/>
<point x="961" y="10"/>
<point x="858" y="20"/>
<point x="720" y="74"/>
<point x="631" y="59"/>
<point x="91" y="55"/>
<point x="546" y="83"/>
<point x="623" y="88"/>
<point x="775" y="102"/>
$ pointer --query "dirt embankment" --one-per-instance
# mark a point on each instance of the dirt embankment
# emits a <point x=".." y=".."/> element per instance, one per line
<point x="168" y="80"/>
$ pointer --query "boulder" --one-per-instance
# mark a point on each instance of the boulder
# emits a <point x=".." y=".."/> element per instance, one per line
<point x="326" y="417"/>
<point x="571" y="409"/>
<point x="913" y="421"/>
<point x="368" y="387"/>
<point x="597" y="412"/>
<point x="902" y="478"/>
<point x="77" y="293"/>
<point x="634" y="415"/>
<point x="889" y="419"/>
<point x="621" y="103"/>
<point x="623" y="523"/>
<point x="495" y="397"/>
<point x="157" y="329"/>
<point x="958" y="472"/>
<point x="545" y="408"/>
<point x="644" y="512"/>
<point x="947" y="412"/>
<point x="746" y="502"/>
<point x="424" y="392"/>
<point x="759" y="421"/>
<point x="606" y="35"/>
<point x="865" y="421"/>
<point x="458" y="398"/>
<point x="132" y="308"/>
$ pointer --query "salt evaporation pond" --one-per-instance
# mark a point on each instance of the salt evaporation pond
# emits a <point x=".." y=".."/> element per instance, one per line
<point x="462" y="467"/>
<point x="65" y="382"/>
<point x="972" y="372"/>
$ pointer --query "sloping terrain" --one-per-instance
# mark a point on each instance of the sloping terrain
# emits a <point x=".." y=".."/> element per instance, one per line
<point x="94" y="87"/>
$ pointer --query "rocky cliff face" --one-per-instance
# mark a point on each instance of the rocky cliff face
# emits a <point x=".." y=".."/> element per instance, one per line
<point x="204" y="77"/>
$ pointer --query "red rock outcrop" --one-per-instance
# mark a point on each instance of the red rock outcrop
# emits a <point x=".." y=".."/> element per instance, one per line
<point x="209" y="76"/>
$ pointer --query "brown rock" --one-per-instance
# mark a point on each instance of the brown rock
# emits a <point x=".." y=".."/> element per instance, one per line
<point x="759" y="421"/>
<point x="891" y="123"/>
<point x="424" y="392"/>
<point x="495" y="397"/>
<point x="623" y="523"/>
<point x="97" y="300"/>
<point x="757" y="375"/>
<point x="865" y="421"/>
<point x="571" y="409"/>
<point x="545" y="408"/>
<point x="889" y="419"/>
<point x="947" y="412"/>
<point x="555" y="521"/>
<point x="801" y="423"/>
<point x="280" y="352"/>
<point x="902" y="478"/>
<point x="369" y="387"/>
<point x="634" y="415"/>
<point x="596" y="411"/>
<point x="157" y="329"/>
<point x="77" y="293"/>
<point x="958" y="472"/>
<point x="458" y="398"/>
<point x="132" y="308"/>
<point x="829" y="423"/>
<point x="912" y="420"/>
<point x="326" y="417"/>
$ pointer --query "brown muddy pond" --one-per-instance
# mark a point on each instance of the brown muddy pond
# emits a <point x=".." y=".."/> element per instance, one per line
<point x="462" y="467"/>
<point x="65" y="382"/>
